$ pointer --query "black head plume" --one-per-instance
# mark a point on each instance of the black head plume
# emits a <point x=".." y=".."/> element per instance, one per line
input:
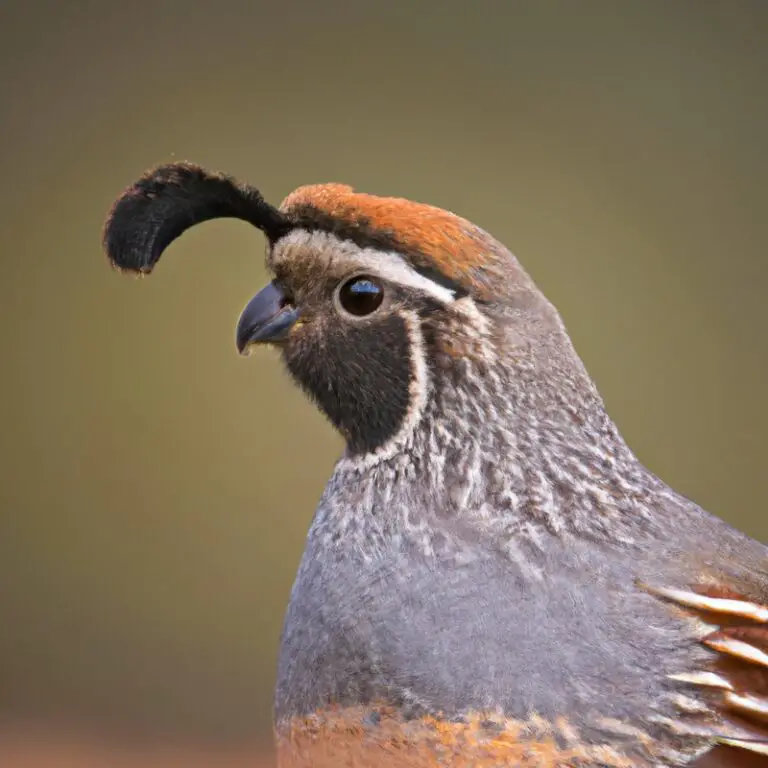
<point x="170" y="199"/>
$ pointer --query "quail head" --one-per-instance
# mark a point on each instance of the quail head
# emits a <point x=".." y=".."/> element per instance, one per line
<point x="491" y="578"/>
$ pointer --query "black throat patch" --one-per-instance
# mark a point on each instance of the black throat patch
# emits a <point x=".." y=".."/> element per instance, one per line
<point x="360" y="379"/>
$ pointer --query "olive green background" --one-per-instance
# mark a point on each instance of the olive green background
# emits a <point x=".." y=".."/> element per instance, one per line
<point x="155" y="489"/>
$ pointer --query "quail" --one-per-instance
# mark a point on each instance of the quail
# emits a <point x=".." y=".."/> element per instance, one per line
<point x="491" y="577"/>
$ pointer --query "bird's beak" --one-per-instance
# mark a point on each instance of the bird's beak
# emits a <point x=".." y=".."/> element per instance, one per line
<point x="267" y="319"/>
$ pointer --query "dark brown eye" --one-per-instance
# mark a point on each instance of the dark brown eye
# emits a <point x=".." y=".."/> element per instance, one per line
<point x="361" y="296"/>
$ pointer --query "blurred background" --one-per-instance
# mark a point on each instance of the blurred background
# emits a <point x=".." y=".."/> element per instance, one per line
<point x="155" y="489"/>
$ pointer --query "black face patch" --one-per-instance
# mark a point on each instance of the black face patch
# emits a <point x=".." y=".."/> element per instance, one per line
<point x="359" y="375"/>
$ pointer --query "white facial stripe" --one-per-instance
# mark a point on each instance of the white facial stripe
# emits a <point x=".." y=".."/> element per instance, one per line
<point x="394" y="268"/>
<point x="418" y="392"/>
<point x="387" y="264"/>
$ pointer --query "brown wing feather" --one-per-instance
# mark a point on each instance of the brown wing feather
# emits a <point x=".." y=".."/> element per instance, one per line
<point x="735" y="681"/>
<point x="731" y="757"/>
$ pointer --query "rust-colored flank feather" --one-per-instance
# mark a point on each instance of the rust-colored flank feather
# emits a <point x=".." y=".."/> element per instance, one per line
<point x="353" y="737"/>
<point x="736" y="677"/>
<point x="437" y="238"/>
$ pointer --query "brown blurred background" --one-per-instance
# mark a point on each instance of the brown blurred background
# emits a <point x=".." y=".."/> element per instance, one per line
<point x="155" y="489"/>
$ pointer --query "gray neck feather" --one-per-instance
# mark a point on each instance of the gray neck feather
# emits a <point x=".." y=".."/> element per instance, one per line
<point x="514" y="446"/>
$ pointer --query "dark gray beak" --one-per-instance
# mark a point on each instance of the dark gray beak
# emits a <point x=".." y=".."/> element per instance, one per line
<point x="267" y="318"/>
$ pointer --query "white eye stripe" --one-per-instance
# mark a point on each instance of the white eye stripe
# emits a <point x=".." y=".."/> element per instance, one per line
<point x="395" y="269"/>
<point x="388" y="265"/>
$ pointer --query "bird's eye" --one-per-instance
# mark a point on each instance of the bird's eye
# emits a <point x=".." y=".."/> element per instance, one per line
<point x="361" y="296"/>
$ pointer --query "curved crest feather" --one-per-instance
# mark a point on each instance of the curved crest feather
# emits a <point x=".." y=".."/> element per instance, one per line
<point x="166" y="201"/>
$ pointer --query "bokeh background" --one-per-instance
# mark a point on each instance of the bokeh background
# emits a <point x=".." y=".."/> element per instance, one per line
<point x="155" y="489"/>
